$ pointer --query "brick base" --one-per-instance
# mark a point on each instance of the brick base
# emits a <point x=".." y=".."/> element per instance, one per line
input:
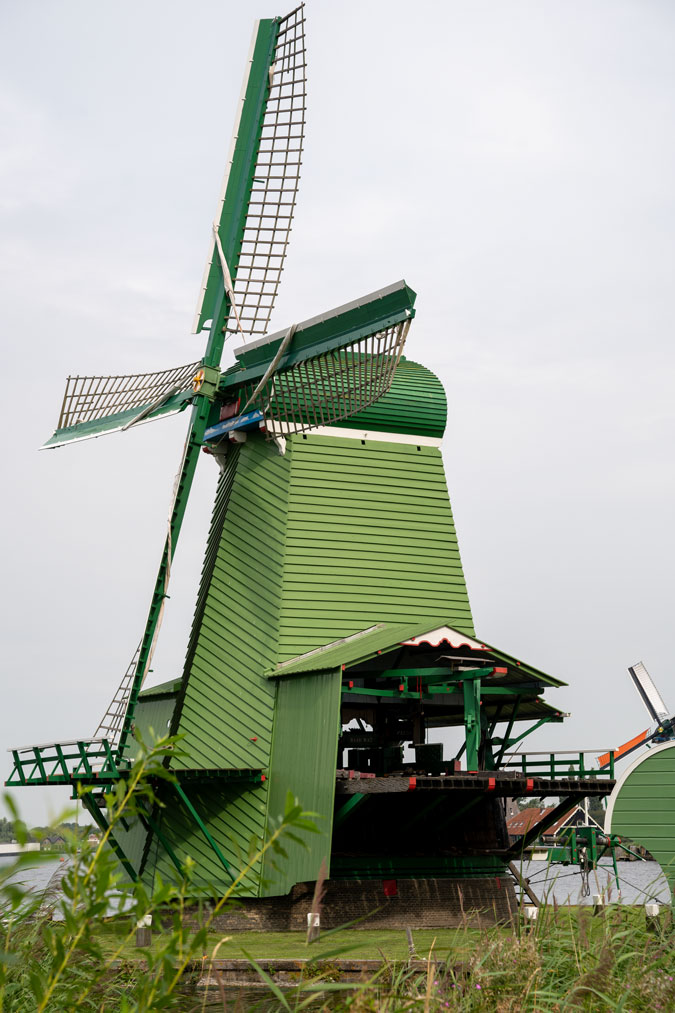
<point x="408" y="903"/>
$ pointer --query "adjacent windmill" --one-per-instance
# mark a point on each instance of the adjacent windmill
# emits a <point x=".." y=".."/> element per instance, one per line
<point x="663" y="728"/>
<point x="332" y="626"/>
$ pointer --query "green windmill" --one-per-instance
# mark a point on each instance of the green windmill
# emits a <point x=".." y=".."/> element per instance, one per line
<point x="332" y="639"/>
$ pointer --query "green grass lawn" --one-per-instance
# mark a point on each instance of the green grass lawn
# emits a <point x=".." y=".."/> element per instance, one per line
<point x="361" y="943"/>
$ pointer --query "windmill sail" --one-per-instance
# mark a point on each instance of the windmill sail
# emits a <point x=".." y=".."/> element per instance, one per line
<point x="264" y="182"/>
<point x="649" y="694"/>
<point x="322" y="370"/>
<point x="95" y="405"/>
<point x="658" y="711"/>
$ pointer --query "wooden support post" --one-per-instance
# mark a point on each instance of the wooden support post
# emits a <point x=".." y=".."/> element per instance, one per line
<point x="471" y="692"/>
<point x="144" y="931"/>
<point x="524" y="884"/>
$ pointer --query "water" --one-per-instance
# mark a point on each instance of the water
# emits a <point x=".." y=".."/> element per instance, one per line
<point x="36" y="876"/>
<point x="641" y="882"/>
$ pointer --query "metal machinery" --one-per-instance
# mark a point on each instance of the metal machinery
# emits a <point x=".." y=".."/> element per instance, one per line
<point x="641" y="806"/>
<point x="332" y="626"/>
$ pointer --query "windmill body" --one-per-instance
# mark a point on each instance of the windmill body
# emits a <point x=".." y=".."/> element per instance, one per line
<point x="332" y="630"/>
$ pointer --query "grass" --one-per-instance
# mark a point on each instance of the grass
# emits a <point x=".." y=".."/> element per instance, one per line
<point x="364" y="944"/>
<point x="570" y="961"/>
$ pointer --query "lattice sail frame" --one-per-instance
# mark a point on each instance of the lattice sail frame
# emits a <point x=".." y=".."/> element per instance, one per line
<point x="89" y="398"/>
<point x="275" y="182"/>
<point x="276" y="178"/>
<point x="331" y="386"/>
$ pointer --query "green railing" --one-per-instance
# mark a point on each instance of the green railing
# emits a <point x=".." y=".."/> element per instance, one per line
<point x="63" y="763"/>
<point x="559" y="765"/>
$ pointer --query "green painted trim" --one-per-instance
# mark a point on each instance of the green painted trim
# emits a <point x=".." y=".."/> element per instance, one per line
<point x="528" y="731"/>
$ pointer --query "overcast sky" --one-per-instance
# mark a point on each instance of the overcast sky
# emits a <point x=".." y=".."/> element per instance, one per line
<point x="512" y="160"/>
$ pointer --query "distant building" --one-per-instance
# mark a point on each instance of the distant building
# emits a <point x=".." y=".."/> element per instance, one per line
<point x="53" y="842"/>
<point x="522" y="822"/>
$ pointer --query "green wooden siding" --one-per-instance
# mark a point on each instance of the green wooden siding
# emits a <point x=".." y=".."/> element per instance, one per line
<point x="132" y="841"/>
<point x="151" y="720"/>
<point x="369" y="538"/>
<point x="304" y="758"/>
<point x="415" y="403"/>
<point x="227" y="707"/>
<point x="235" y="816"/>
<point x="642" y="807"/>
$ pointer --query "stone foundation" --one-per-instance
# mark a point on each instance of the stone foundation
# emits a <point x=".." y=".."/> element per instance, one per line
<point x="387" y="904"/>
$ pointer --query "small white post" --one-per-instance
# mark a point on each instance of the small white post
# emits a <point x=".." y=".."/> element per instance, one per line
<point x="313" y="925"/>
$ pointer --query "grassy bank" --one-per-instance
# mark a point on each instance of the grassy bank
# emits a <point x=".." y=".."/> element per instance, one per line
<point x="570" y="961"/>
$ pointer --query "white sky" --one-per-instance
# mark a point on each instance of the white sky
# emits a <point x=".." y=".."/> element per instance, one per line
<point x="514" y="161"/>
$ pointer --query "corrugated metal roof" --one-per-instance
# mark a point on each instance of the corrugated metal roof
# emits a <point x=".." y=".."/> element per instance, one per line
<point x="359" y="647"/>
<point x="382" y="638"/>
<point x="304" y="759"/>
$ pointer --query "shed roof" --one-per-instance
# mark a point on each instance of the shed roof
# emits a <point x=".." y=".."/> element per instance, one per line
<point x="161" y="689"/>
<point x="383" y="637"/>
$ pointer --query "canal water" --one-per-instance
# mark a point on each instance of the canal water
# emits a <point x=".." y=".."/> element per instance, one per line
<point x="640" y="882"/>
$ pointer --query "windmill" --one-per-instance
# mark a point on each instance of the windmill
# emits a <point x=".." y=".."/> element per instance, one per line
<point x="332" y="628"/>
<point x="663" y="727"/>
